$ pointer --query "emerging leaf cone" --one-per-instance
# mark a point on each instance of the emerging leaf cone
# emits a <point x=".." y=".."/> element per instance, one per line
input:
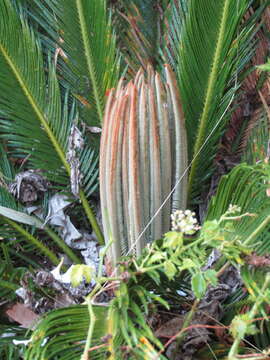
<point x="143" y="156"/>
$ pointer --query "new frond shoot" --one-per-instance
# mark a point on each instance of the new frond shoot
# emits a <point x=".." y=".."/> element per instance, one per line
<point x="143" y="156"/>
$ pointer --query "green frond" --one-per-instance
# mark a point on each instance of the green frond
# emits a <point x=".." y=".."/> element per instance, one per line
<point x="7" y="200"/>
<point x="10" y="218"/>
<point x="9" y="280"/>
<point x="34" y="121"/>
<point x="42" y="19"/>
<point x="213" y="49"/>
<point x="8" y="333"/>
<point x="139" y="30"/>
<point x="12" y="215"/>
<point x="19" y="232"/>
<point x="246" y="187"/>
<point x="175" y="17"/>
<point x="65" y="331"/>
<point x="6" y="169"/>
<point x="89" y="170"/>
<point x="262" y="338"/>
<point x="126" y="320"/>
<point x="89" y="44"/>
<point x="256" y="140"/>
<point x="28" y="254"/>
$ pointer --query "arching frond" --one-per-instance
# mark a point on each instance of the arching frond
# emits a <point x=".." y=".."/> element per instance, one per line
<point x="8" y="333"/>
<point x="246" y="186"/>
<point x="34" y="121"/>
<point x="86" y="37"/>
<point x="139" y="29"/>
<point x="256" y="139"/>
<point x="65" y="331"/>
<point x="213" y="49"/>
<point x="89" y="170"/>
<point x="175" y="17"/>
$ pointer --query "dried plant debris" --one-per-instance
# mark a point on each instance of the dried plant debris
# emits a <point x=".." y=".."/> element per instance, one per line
<point x="75" y="143"/>
<point x="209" y="311"/>
<point x="212" y="259"/>
<point x="90" y="252"/>
<point x="29" y="186"/>
<point x="48" y="290"/>
<point x="79" y="240"/>
<point x="170" y="328"/>
<point x="22" y="315"/>
<point x="57" y="217"/>
<point x="94" y="129"/>
<point x="258" y="260"/>
<point x="41" y="292"/>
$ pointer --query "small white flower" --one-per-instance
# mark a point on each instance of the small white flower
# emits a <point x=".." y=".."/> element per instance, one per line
<point x="234" y="208"/>
<point x="184" y="221"/>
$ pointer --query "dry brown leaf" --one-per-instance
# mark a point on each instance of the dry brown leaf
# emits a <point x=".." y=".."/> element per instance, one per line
<point x="170" y="328"/>
<point x="22" y="315"/>
<point x="257" y="260"/>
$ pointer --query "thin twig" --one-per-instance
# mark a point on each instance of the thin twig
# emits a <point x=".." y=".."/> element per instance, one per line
<point x="188" y="319"/>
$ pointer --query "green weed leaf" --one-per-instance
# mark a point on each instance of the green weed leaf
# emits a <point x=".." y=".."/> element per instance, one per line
<point x="198" y="285"/>
<point x="80" y="272"/>
<point x="169" y="269"/>
<point x="241" y="326"/>
<point x="173" y="239"/>
<point x="211" y="276"/>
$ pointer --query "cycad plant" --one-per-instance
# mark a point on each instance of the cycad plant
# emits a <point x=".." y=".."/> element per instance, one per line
<point x="160" y="80"/>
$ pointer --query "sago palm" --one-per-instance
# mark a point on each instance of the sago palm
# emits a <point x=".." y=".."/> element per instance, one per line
<point x="70" y="69"/>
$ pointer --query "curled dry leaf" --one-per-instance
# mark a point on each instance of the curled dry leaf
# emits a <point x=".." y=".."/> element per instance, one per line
<point x="29" y="186"/>
<point x="56" y="216"/>
<point x="170" y="328"/>
<point x="22" y="315"/>
<point x="257" y="260"/>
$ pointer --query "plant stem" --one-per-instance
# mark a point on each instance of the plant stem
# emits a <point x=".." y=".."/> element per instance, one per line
<point x="224" y="267"/>
<point x="186" y="323"/>
<point x="36" y="242"/>
<point x="257" y="231"/>
<point x="92" y="320"/>
<point x="260" y="299"/>
<point x="91" y="218"/>
<point x="60" y="242"/>
<point x="102" y="254"/>
<point x="246" y="242"/>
